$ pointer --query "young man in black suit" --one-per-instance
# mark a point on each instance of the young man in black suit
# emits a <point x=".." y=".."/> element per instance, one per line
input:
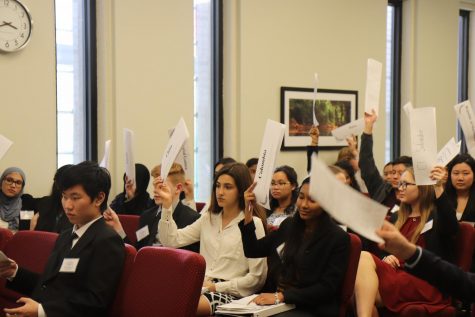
<point x="84" y="268"/>
<point x="148" y="224"/>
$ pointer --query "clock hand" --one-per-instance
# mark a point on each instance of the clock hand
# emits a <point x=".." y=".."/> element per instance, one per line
<point x="9" y="24"/>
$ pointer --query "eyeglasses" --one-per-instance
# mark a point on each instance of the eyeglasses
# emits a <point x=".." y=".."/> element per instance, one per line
<point x="403" y="185"/>
<point x="11" y="181"/>
<point x="279" y="184"/>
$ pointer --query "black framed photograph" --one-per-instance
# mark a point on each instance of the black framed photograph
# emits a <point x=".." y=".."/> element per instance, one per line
<point x="333" y="108"/>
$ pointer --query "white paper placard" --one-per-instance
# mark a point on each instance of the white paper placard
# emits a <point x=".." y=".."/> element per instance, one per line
<point x="448" y="152"/>
<point x="423" y="143"/>
<point x="4" y="145"/>
<point x="105" y="159"/>
<point x="175" y="143"/>
<point x="315" y="89"/>
<point x="184" y="157"/>
<point x="358" y="212"/>
<point x="374" y="72"/>
<point x="270" y="146"/>
<point x="129" y="155"/>
<point x="408" y="108"/>
<point x="345" y="131"/>
<point x="466" y="118"/>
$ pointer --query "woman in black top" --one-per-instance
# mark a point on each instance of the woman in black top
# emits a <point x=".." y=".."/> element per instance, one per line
<point x="133" y="201"/>
<point x="314" y="257"/>
<point x="459" y="187"/>
<point x="50" y="214"/>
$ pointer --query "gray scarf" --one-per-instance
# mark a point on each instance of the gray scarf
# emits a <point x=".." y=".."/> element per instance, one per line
<point x="10" y="206"/>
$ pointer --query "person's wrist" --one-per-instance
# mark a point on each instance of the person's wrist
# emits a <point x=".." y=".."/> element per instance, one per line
<point x="408" y="251"/>
<point x="167" y="204"/>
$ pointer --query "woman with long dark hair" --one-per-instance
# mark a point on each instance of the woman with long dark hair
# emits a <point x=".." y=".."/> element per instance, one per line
<point x="313" y="253"/>
<point x="460" y="188"/>
<point x="284" y="192"/>
<point x="229" y="274"/>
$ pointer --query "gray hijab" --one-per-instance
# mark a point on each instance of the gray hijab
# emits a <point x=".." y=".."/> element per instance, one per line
<point x="10" y="206"/>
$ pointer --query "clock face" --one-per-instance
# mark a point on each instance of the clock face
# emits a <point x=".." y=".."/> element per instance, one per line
<point x="15" y="25"/>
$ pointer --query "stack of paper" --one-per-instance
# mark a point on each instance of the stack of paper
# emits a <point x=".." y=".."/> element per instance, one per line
<point x="245" y="306"/>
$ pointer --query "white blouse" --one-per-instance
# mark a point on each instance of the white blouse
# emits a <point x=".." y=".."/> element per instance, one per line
<point x="221" y="248"/>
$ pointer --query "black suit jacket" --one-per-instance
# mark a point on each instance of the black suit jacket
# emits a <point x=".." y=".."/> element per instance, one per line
<point x="446" y="276"/>
<point x="321" y="264"/>
<point x="183" y="216"/>
<point x="91" y="288"/>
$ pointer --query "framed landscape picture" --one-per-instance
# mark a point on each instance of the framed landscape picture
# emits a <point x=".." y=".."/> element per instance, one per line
<point x="333" y="108"/>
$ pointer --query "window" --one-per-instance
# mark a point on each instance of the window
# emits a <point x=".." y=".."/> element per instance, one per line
<point x="393" y="80"/>
<point x="464" y="22"/>
<point x="75" y="99"/>
<point x="207" y="95"/>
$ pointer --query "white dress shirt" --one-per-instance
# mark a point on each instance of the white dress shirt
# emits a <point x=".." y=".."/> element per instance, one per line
<point x="222" y="250"/>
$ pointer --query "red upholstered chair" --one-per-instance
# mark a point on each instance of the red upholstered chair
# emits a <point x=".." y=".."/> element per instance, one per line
<point x="464" y="246"/>
<point x="199" y="206"/>
<point x="164" y="282"/>
<point x="119" y="299"/>
<point x="130" y="223"/>
<point x="350" y="276"/>
<point x="5" y="236"/>
<point x="30" y="249"/>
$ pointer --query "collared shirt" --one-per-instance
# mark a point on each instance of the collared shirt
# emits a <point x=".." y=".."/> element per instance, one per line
<point x="80" y="231"/>
<point x="222" y="249"/>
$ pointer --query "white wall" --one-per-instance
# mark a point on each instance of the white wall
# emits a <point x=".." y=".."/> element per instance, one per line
<point x="28" y="102"/>
<point x="429" y="63"/>
<point x="274" y="43"/>
<point x="146" y="84"/>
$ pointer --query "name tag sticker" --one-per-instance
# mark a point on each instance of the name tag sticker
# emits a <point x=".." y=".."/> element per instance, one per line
<point x="394" y="209"/>
<point x="427" y="226"/>
<point x="26" y="214"/>
<point x="69" y="265"/>
<point x="142" y="233"/>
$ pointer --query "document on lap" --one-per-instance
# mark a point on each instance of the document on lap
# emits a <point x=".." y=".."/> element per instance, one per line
<point x="4" y="145"/>
<point x="271" y="142"/>
<point x="448" y="152"/>
<point x="466" y="118"/>
<point x="360" y="213"/>
<point x="423" y="143"/>
<point x="129" y="154"/>
<point x="374" y="71"/>
<point x="175" y="144"/>
<point x="105" y="159"/>
<point x="345" y="131"/>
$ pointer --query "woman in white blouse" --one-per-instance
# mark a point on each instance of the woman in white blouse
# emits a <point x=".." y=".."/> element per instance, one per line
<point x="229" y="274"/>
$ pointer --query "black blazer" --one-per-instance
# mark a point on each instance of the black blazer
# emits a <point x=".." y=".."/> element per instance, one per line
<point x="183" y="216"/>
<point x="441" y="238"/>
<point x="446" y="276"/>
<point x="91" y="288"/>
<point x="322" y="263"/>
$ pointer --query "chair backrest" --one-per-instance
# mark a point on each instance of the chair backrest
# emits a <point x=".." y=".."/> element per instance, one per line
<point x="199" y="206"/>
<point x="464" y="246"/>
<point x="164" y="282"/>
<point x="130" y="223"/>
<point x="31" y="250"/>
<point x="350" y="275"/>
<point x="5" y="236"/>
<point x="116" y="308"/>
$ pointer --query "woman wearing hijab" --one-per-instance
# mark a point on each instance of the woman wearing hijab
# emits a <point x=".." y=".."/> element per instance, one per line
<point x="13" y="182"/>
<point x="134" y="199"/>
